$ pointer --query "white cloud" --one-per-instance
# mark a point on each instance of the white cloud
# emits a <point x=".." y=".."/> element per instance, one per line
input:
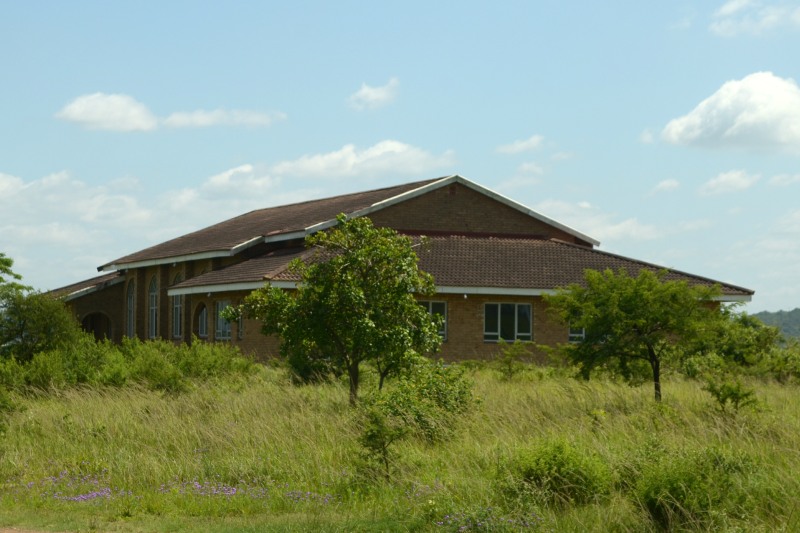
<point x="666" y="185"/>
<point x="116" y="112"/>
<point x="120" y="112"/>
<point x="646" y="137"/>
<point x="525" y="145"/>
<point x="387" y="157"/>
<point x="784" y="179"/>
<point x="221" y="117"/>
<point x="758" y="111"/>
<point x="726" y="182"/>
<point x="737" y="17"/>
<point x="596" y="223"/>
<point x="368" y="97"/>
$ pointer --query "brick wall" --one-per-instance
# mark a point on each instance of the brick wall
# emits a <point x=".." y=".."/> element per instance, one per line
<point x="459" y="209"/>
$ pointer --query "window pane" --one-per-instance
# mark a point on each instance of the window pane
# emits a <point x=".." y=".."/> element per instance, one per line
<point x="507" y="319"/>
<point x="524" y="320"/>
<point x="490" y="324"/>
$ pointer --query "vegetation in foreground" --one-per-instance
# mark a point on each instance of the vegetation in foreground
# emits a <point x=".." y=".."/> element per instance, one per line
<point x="540" y="452"/>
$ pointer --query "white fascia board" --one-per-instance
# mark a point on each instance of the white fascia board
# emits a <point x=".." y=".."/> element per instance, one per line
<point x="377" y="206"/>
<point x="525" y="209"/>
<point x="230" y="287"/>
<point x="285" y="236"/>
<point x="500" y="291"/>
<point x="187" y="257"/>
<point x="90" y="290"/>
<point x="733" y="298"/>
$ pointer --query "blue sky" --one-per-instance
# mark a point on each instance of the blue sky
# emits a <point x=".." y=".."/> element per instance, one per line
<point x="669" y="131"/>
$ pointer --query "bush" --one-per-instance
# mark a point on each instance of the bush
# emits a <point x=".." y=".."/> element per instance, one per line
<point x="511" y="359"/>
<point x="694" y="488"/>
<point x="428" y="399"/>
<point x="730" y="391"/>
<point x="425" y="402"/>
<point x="557" y="472"/>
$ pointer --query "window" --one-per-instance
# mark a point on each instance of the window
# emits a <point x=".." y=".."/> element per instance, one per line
<point x="509" y="322"/>
<point x="437" y="308"/>
<point x="130" y="310"/>
<point x="240" y="328"/>
<point x="153" y="309"/>
<point x="177" y="311"/>
<point x="576" y="334"/>
<point x="202" y="322"/>
<point x="223" y="329"/>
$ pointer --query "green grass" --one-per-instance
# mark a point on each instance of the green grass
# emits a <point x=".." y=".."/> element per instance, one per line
<point x="256" y="453"/>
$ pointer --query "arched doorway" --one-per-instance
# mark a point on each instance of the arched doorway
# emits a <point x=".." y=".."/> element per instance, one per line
<point x="98" y="324"/>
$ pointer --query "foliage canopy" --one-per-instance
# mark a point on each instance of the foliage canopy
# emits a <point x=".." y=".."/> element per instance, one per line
<point x="631" y="322"/>
<point x="355" y="303"/>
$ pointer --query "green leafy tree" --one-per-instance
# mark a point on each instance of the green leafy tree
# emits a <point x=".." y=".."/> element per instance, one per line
<point x="34" y="322"/>
<point x="8" y="278"/>
<point x="355" y="304"/>
<point x="630" y="322"/>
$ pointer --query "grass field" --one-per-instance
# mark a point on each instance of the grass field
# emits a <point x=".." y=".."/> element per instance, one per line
<point x="540" y="452"/>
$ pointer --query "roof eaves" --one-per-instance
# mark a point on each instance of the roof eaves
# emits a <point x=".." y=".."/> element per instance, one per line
<point x="748" y="292"/>
<point x="185" y="257"/>
<point x="94" y="288"/>
<point x="229" y="287"/>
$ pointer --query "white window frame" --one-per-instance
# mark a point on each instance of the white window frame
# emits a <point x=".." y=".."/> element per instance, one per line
<point x="428" y="305"/>
<point x="202" y="322"/>
<point x="222" y="331"/>
<point x="152" y="309"/>
<point x="521" y="336"/>
<point x="576" y="334"/>
<point x="177" y="312"/>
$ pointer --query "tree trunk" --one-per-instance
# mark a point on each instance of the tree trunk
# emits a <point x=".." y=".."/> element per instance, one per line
<point x="655" y="364"/>
<point x="352" y="371"/>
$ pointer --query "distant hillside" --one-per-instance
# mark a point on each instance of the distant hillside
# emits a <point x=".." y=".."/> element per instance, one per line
<point x="787" y="321"/>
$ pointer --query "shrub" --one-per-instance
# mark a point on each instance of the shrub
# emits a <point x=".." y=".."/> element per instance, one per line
<point x="694" y="488"/>
<point x="730" y="391"/>
<point x="510" y="361"/>
<point x="557" y="472"/>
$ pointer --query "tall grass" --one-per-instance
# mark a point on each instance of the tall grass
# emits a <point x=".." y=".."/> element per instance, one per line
<point x="254" y="452"/>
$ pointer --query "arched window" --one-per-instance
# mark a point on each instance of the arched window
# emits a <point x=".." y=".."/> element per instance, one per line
<point x="177" y="311"/>
<point x="130" y="310"/>
<point x="153" y="309"/>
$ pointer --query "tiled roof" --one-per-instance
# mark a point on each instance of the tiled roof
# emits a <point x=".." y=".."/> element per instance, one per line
<point x="89" y="285"/>
<point x="477" y="262"/>
<point x="253" y="270"/>
<point x="230" y="233"/>
<point x="458" y="261"/>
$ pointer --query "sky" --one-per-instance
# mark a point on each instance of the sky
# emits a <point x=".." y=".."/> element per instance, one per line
<point x="668" y="131"/>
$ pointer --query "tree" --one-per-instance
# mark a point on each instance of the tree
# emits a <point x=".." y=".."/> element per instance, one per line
<point x="355" y="303"/>
<point x="630" y="321"/>
<point x="9" y="278"/>
<point x="30" y="322"/>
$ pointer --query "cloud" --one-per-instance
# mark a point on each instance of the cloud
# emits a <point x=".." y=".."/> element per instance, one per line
<point x="526" y="145"/>
<point x="737" y="17"/>
<point x="758" y="111"/>
<point x="387" y="157"/>
<point x="115" y="112"/>
<point x="120" y="112"/>
<point x="591" y="220"/>
<point x="368" y="97"/>
<point x="727" y="182"/>
<point x="221" y="117"/>
<point x="646" y="137"/>
<point x="666" y="185"/>
<point x="782" y="180"/>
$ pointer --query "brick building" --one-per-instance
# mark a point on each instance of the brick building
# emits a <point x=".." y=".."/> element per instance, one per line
<point x="492" y="260"/>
